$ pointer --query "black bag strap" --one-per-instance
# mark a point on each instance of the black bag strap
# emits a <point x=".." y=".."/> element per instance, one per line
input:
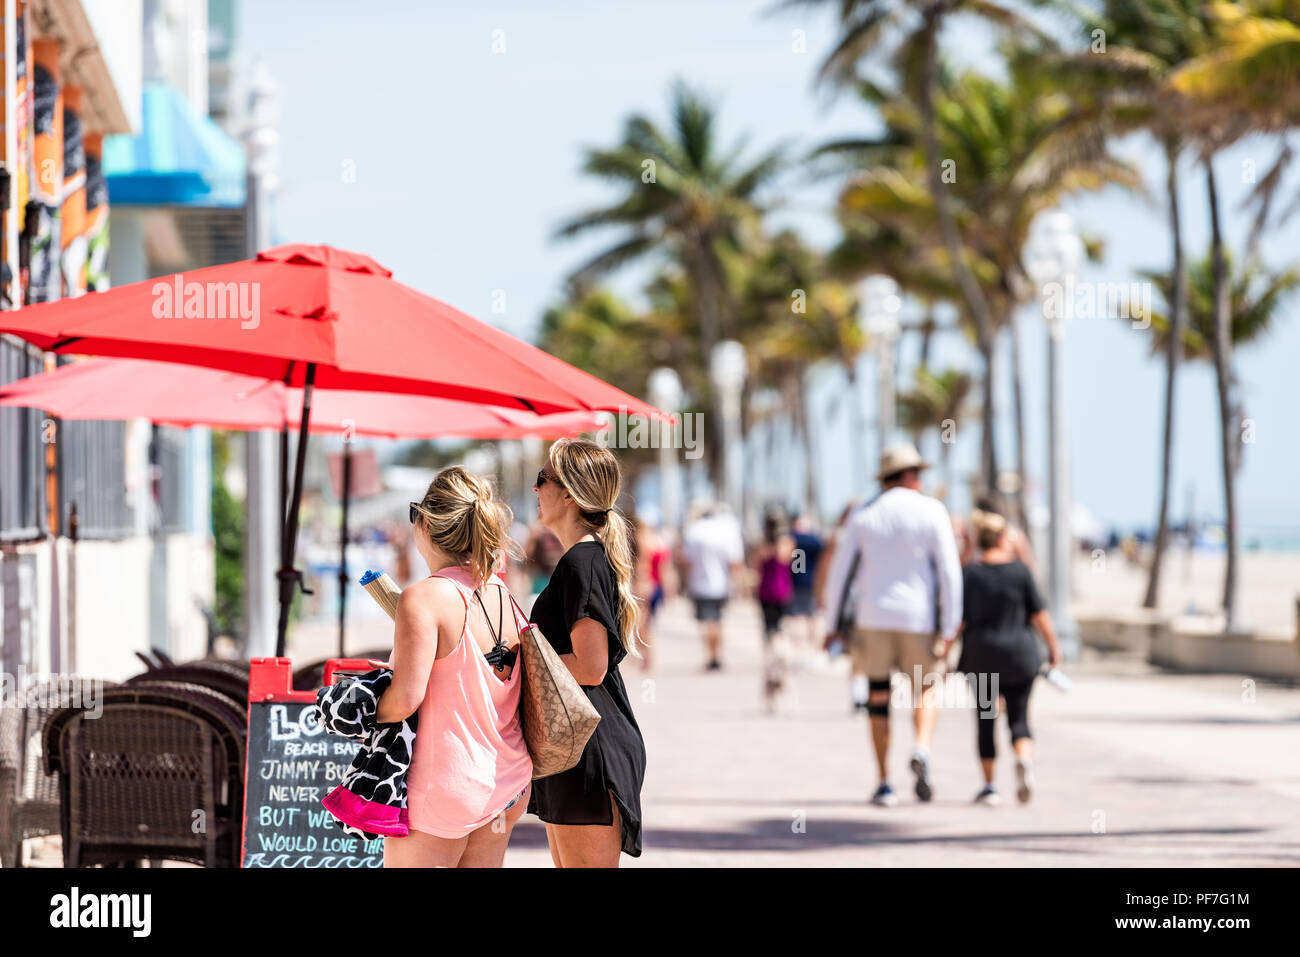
<point x="500" y="655"/>
<point x="844" y="614"/>
<point x="938" y="605"/>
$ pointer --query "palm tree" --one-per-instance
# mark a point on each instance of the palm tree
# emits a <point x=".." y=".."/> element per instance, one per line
<point x="1254" y="295"/>
<point x="793" y="316"/>
<point x="596" y="330"/>
<point x="1022" y="147"/>
<point x="1249" y="299"/>
<point x="1229" y="86"/>
<point x="685" y="200"/>
<point x="864" y="25"/>
<point x="1248" y="79"/>
<point x="936" y="401"/>
<point x="1128" y="87"/>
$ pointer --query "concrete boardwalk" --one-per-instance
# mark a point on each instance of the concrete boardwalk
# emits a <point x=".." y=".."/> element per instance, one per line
<point x="1134" y="767"/>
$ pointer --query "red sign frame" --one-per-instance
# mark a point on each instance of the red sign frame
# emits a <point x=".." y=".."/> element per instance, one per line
<point x="271" y="680"/>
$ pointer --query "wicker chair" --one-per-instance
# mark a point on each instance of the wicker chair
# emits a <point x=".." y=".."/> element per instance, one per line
<point x="29" y="795"/>
<point x="310" y="677"/>
<point x="233" y="665"/>
<point x="232" y="684"/>
<point x="154" y="658"/>
<point x="132" y="779"/>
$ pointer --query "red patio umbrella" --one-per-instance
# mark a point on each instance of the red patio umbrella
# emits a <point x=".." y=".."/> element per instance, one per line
<point x="317" y="308"/>
<point x="316" y="316"/>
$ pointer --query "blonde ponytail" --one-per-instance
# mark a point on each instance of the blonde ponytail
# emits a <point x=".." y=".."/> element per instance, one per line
<point x="464" y="519"/>
<point x="618" y="549"/>
<point x="590" y="474"/>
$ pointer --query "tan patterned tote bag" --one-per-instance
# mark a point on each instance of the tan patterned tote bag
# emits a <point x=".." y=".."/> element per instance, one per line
<point x="557" y="716"/>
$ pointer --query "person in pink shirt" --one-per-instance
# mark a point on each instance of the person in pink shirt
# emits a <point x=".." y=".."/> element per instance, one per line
<point x="454" y="649"/>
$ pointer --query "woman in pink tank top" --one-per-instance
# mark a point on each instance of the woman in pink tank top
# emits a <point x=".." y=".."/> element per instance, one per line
<point x="454" y="645"/>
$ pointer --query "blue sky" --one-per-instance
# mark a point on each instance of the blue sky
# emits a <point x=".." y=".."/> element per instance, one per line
<point x="404" y="135"/>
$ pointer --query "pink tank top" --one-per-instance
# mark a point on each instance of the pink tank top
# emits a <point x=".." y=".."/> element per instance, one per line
<point x="469" y="759"/>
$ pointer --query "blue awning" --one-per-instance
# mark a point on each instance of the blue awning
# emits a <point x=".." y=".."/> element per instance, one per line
<point x="181" y="157"/>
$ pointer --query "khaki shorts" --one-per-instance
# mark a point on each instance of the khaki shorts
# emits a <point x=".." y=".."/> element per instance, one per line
<point x="876" y="653"/>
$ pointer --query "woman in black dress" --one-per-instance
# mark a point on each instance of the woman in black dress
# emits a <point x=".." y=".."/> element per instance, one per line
<point x="1001" y="609"/>
<point x="589" y="615"/>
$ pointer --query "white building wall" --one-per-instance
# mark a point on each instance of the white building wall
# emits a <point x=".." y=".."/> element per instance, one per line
<point x="117" y="26"/>
<point x="112" y="602"/>
<point x="112" y="607"/>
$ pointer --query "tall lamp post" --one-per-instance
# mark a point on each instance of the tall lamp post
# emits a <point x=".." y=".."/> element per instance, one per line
<point x="1055" y="256"/>
<point x="727" y="367"/>
<point x="880" y="306"/>
<point x="666" y="393"/>
<point x="264" y="525"/>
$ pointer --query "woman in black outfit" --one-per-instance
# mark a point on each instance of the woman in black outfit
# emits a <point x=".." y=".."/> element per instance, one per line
<point x="589" y="615"/>
<point x="1001" y="608"/>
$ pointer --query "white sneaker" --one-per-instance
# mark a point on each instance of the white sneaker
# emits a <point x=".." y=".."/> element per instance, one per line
<point x="1024" y="780"/>
<point x="921" y="768"/>
<point x="989" y="796"/>
<point x="884" y="797"/>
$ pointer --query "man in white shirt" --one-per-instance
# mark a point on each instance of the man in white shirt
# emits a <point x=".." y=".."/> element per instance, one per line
<point x="906" y="595"/>
<point x="713" y="550"/>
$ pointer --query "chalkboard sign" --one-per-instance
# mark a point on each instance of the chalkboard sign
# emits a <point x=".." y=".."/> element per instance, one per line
<point x="292" y="765"/>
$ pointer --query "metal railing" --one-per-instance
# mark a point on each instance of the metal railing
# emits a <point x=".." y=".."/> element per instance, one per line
<point x="22" y="469"/>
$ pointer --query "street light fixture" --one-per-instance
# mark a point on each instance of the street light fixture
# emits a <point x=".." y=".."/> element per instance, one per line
<point x="666" y="393"/>
<point x="1055" y="256"/>
<point x="727" y="369"/>
<point x="880" y="307"/>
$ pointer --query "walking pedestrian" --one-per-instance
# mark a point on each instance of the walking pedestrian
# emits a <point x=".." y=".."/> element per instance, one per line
<point x="651" y="580"/>
<point x="453" y="661"/>
<point x="907" y="596"/>
<point x="842" y="600"/>
<point x="588" y="613"/>
<point x="775" y="589"/>
<point x="713" y="552"/>
<point x="1001" y="610"/>
<point x="808" y="551"/>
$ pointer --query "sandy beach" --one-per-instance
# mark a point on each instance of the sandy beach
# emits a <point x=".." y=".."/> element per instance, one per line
<point x="1192" y="586"/>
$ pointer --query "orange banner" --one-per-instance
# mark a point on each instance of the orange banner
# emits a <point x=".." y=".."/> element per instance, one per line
<point x="96" y="234"/>
<point x="72" y="226"/>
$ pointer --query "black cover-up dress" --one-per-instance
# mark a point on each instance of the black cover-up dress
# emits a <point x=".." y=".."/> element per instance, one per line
<point x="583" y="586"/>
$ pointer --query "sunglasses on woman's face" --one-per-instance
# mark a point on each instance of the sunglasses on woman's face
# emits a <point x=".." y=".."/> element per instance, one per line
<point x="541" y="479"/>
<point x="415" y="511"/>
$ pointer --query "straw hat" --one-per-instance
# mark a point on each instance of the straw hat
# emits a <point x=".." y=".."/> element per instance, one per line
<point x="899" y="458"/>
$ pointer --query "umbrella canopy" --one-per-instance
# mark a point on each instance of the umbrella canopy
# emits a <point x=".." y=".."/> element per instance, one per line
<point x="321" y="318"/>
<point x="299" y="306"/>
<point x="180" y="395"/>
<point x="184" y="396"/>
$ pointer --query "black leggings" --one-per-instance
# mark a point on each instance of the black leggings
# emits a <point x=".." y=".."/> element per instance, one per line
<point x="772" y="615"/>
<point x="1017" y="697"/>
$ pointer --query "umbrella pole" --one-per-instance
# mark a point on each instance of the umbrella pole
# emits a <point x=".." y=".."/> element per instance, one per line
<point x="288" y="575"/>
<point x="284" y="464"/>
<point x="284" y="483"/>
<point x="343" y="543"/>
